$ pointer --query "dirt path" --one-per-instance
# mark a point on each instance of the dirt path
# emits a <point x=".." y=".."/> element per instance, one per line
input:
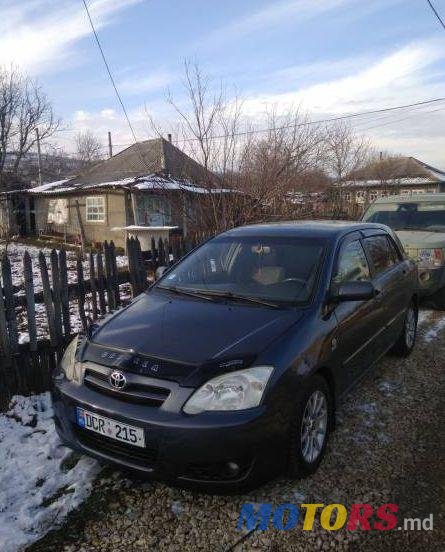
<point x="388" y="447"/>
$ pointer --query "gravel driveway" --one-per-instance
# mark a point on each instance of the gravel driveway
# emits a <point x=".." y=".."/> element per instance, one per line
<point x="388" y="447"/>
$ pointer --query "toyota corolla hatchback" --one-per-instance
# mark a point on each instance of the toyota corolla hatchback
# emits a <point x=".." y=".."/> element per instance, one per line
<point x="229" y="368"/>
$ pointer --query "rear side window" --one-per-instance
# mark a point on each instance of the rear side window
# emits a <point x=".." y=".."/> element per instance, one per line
<point x="381" y="252"/>
<point x="352" y="265"/>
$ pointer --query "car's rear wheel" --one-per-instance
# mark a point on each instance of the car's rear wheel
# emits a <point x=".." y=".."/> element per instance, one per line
<point x="310" y="427"/>
<point x="407" y="339"/>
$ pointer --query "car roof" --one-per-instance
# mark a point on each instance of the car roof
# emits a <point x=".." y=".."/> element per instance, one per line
<point x="304" y="229"/>
<point x="412" y="198"/>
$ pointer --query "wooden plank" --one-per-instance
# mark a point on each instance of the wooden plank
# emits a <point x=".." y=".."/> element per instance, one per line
<point x="114" y="282"/>
<point x="10" y="304"/>
<point x="30" y="303"/>
<point x="81" y="294"/>
<point x="108" y="277"/>
<point x="57" y="296"/>
<point x="79" y="220"/>
<point x="142" y="279"/>
<point x="93" y="286"/>
<point x="101" y="284"/>
<point x="161" y="253"/>
<point x="131" y="266"/>
<point x="167" y="249"/>
<point x="47" y="297"/>
<point x="64" y="293"/>
<point x="4" y="337"/>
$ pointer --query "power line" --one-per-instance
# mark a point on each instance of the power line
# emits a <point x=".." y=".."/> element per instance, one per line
<point x="436" y="13"/>
<point x="113" y="82"/>
<point x="400" y="120"/>
<point x="320" y="121"/>
<point x="306" y="123"/>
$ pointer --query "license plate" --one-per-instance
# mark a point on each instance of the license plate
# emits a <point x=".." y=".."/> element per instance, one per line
<point x="110" y="428"/>
<point x="425" y="254"/>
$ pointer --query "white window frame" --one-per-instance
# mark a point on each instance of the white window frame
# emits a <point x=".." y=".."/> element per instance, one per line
<point x="95" y="209"/>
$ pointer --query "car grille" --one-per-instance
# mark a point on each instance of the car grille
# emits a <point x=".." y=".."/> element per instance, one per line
<point x="138" y="389"/>
<point x="143" y="457"/>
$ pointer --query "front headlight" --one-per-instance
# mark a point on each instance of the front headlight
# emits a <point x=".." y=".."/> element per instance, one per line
<point x="233" y="391"/>
<point x="430" y="258"/>
<point x="68" y="365"/>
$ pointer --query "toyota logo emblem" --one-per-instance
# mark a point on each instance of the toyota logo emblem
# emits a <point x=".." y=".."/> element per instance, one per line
<point x="117" y="379"/>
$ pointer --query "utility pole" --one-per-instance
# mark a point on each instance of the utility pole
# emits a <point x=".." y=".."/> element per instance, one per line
<point x="39" y="156"/>
<point x="110" y="145"/>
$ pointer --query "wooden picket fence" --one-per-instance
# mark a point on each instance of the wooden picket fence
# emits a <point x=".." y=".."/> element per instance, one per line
<point x="26" y="366"/>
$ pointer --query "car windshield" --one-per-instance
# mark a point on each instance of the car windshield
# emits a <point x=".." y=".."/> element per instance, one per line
<point x="274" y="269"/>
<point x="409" y="216"/>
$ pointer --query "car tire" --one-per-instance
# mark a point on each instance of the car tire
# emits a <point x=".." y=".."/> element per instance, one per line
<point x="407" y="338"/>
<point x="300" y="463"/>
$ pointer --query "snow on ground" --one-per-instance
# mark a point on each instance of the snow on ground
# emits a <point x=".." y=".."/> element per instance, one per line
<point x="424" y="316"/>
<point x="41" y="481"/>
<point x="434" y="330"/>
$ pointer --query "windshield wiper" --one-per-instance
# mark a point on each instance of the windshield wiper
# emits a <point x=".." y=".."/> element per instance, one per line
<point x="191" y="293"/>
<point x="236" y="297"/>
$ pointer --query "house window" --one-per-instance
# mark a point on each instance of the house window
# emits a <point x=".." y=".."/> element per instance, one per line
<point x="153" y="210"/>
<point x="95" y="209"/>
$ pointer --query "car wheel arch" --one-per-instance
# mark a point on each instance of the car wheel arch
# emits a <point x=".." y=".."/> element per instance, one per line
<point x="326" y="373"/>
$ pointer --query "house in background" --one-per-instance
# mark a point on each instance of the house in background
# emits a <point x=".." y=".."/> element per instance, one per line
<point x="391" y="176"/>
<point x="146" y="190"/>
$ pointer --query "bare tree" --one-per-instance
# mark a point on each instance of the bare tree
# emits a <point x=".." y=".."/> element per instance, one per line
<point x="24" y="108"/>
<point x="247" y="176"/>
<point x="277" y="165"/>
<point x="209" y="130"/>
<point x="344" y="150"/>
<point x="344" y="153"/>
<point x="88" y="147"/>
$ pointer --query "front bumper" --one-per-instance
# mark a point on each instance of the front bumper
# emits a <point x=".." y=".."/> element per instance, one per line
<point x="221" y="449"/>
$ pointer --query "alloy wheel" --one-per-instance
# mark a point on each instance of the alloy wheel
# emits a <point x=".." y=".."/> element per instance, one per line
<point x="314" y="426"/>
<point x="410" y="327"/>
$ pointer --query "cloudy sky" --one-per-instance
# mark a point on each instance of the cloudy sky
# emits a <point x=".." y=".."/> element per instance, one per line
<point x="331" y="57"/>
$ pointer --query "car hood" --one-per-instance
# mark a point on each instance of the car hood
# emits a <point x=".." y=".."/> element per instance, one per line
<point x="192" y="330"/>
<point x="418" y="239"/>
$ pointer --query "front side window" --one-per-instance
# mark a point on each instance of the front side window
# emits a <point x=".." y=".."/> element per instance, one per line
<point x="95" y="207"/>
<point x="352" y="265"/>
<point x="380" y="253"/>
<point x="268" y="268"/>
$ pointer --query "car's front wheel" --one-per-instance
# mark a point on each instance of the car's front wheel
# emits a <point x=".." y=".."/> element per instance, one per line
<point x="310" y="427"/>
<point x="407" y="339"/>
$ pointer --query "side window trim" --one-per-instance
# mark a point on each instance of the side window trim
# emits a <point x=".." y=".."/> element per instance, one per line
<point x="396" y="248"/>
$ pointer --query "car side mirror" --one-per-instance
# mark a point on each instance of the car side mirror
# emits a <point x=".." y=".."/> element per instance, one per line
<point x="160" y="271"/>
<point x="353" y="291"/>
